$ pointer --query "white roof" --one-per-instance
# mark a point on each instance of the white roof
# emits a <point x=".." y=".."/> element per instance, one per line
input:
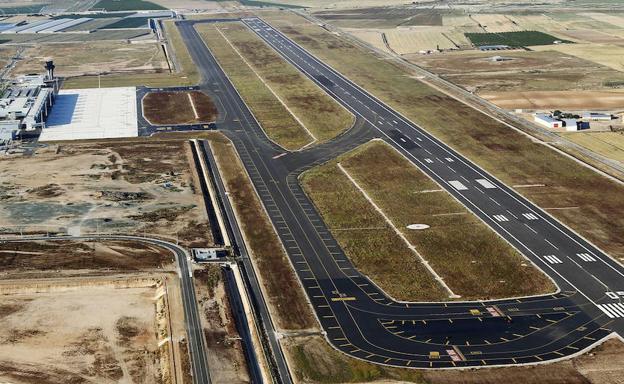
<point x="93" y="113"/>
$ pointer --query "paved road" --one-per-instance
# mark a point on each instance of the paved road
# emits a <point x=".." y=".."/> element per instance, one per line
<point x="195" y="336"/>
<point x="361" y="320"/>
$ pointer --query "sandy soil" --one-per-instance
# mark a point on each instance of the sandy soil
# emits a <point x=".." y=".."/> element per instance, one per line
<point x="163" y="108"/>
<point x="74" y="59"/>
<point x="557" y="99"/>
<point x="224" y="347"/>
<point x="129" y="186"/>
<point x="91" y="335"/>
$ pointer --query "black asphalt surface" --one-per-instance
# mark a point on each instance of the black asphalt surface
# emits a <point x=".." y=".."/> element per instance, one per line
<point x="359" y="319"/>
<point x="146" y="128"/>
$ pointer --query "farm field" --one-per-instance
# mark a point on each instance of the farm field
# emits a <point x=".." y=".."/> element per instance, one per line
<point x="75" y="59"/>
<point x="609" y="144"/>
<point x="512" y="39"/>
<point x="414" y="39"/>
<point x="607" y="55"/>
<point x="126" y="5"/>
<point x="474" y="263"/>
<point x="550" y="100"/>
<point x="507" y="154"/>
<point x="519" y="71"/>
<point x="496" y="23"/>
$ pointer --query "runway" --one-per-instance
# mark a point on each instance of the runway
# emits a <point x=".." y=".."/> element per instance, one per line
<point x="359" y="319"/>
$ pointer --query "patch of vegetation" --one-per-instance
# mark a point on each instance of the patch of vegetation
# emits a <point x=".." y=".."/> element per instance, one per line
<point x="513" y="39"/>
<point x="127" y="5"/>
<point x="129" y="22"/>
<point x="256" y="3"/>
<point x="25" y="9"/>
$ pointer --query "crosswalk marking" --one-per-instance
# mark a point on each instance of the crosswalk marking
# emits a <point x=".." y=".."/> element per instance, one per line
<point x="612" y="310"/>
<point x="429" y="161"/>
<point x="552" y="259"/>
<point x="586" y="257"/>
<point x="449" y="159"/>
<point x="530" y="216"/>
<point x="458" y="185"/>
<point x="500" y="218"/>
<point x="485" y="183"/>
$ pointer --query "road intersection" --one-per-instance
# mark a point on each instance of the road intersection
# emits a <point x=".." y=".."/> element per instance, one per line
<point x="361" y="320"/>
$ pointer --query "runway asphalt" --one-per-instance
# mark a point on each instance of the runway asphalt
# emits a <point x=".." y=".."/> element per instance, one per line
<point x="359" y="319"/>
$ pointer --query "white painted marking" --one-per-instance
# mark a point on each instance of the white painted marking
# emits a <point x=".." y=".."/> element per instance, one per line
<point x="552" y="259"/>
<point x="530" y="216"/>
<point x="402" y="139"/>
<point x="458" y="185"/>
<point x="617" y="308"/>
<point x="429" y="160"/>
<point x="395" y="122"/>
<point x="485" y="183"/>
<point x="500" y="218"/>
<point x="607" y="311"/>
<point x="586" y="257"/>
<point x="418" y="138"/>
<point x="449" y="159"/>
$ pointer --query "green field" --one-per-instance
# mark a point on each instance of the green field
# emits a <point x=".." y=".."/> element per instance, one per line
<point x="21" y="10"/>
<point x="513" y="39"/>
<point x="127" y="5"/>
<point x="129" y="22"/>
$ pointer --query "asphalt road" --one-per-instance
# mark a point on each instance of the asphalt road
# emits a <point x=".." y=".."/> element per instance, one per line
<point x="195" y="337"/>
<point x="361" y="320"/>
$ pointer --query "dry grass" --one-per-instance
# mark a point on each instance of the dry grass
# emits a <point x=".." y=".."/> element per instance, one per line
<point x="609" y="55"/>
<point x="471" y="258"/>
<point x="274" y="118"/>
<point x="609" y="144"/>
<point x="507" y="154"/>
<point x="188" y="74"/>
<point x="316" y="110"/>
<point x="282" y="288"/>
<point x="175" y="108"/>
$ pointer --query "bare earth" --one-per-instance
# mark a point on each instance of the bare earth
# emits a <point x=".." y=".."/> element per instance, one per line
<point x="613" y="99"/>
<point x="130" y="186"/>
<point x="91" y="335"/>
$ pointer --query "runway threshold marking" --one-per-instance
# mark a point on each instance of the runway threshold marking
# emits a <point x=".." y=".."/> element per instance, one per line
<point x="458" y="185"/>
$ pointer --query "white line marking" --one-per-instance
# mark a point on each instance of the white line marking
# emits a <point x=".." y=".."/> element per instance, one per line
<point x="429" y="161"/>
<point x="552" y="259"/>
<point x="586" y="257"/>
<point x="398" y="232"/>
<point x="458" y="185"/>
<point x="530" y="216"/>
<point x="485" y="183"/>
<point x="500" y="218"/>
<point x="607" y="311"/>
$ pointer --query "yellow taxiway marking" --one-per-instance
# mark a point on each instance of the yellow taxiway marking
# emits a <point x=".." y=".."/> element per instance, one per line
<point x="348" y="298"/>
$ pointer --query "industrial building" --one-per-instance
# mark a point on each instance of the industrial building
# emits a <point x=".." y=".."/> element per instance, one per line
<point x="547" y="120"/>
<point x="596" y="116"/>
<point x="26" y="103"/>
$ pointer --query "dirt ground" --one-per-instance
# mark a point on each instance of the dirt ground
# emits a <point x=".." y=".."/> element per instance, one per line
<point x="90" y="335"/>
<point x="130" y="186"/>
<point x="600" y="100"/>
<point x="74" y="59"/>
<point x="224" y="346"/>
<point x="168" y="108"/>
<point x="53" y="258"/>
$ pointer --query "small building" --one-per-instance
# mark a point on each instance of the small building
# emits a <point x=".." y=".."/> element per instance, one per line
<point x="547" y="120"/>
<point x="596" y="116"/>
<point x="570" y="125"/>
<point x="208" y="254"/>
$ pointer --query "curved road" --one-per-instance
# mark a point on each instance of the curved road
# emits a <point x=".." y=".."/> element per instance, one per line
<point x="360" y="319"/>
<point x="196" y="341"/>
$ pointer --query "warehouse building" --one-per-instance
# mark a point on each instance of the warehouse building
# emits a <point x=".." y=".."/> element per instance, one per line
<point x="547" y="120"/>
<point x="596" y="116"/>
